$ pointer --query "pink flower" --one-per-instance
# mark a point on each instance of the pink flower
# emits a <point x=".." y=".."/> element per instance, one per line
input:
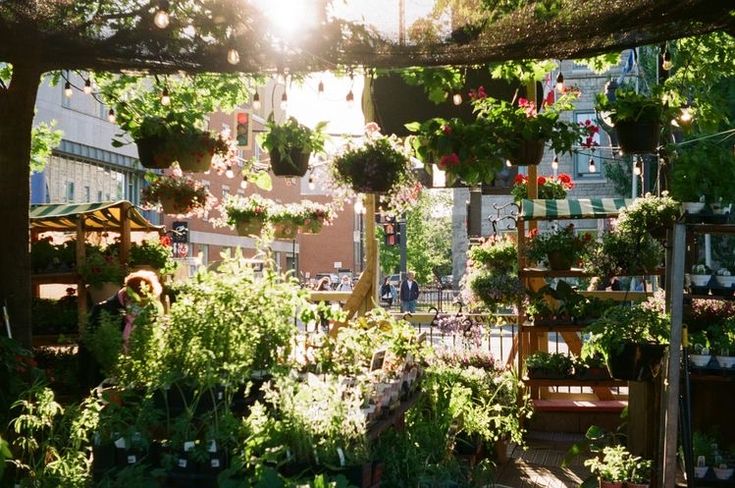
<point x="447" y="129"/>
<point x="448" y="160"/>
<point x="478" y="94"/>
<point x="371" y="128"/>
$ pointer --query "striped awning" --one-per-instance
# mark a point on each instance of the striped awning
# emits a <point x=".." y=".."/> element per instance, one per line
<point x="102" y="216"/>
<point x="584" y="208"/>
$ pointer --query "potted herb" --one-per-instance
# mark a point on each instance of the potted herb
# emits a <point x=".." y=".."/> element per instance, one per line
<point x="637" y="118"/>
<point x="286" y="220"/>
<point x="102" y="273"/>
<point x="175" y="194"/>
<point x="722" y="341"/>
<point x="724" y="278"/>
<point x="153" y="254"/>
<point x="704" y="448"/>
<point x="315" y="216"/>
<point x="611" y="470"/>
<point x="247" y="214"/>
<point x="651" y="214"/>
<point x="631" y="339"/>
<point x="549" y="187"/>
<point x="699" y="346"/>
<point x="591" y="368"/>
<point x="560" y="248"/>
<point x="621" y="253"/>
<point x="542" y="365"/>
<point x="291" y="144"/>
<point x="377" y="166"/>
<point x="699" y="278"/>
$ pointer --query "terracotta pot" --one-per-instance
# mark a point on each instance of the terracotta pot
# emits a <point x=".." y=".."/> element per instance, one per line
<point x="638" y="137"/>
<point x="501" y="451"/>
<point x="295" y="165"/>
<point x="528" y="153"/>
<point x="100" y="293"/>
<point x="250" y="227"/>
<point x="153" y="153"/>
<point x="285" y="230"/>
<point x="611" y="484"/>
<point x="172" y="206"/>
<point x="628" y="484"/>
<point x="559" y="261"/>
<point x="312" y="227"/>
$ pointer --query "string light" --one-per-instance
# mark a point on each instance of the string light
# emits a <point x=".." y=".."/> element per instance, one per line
<point x="508" y="163"/>
<point x="87" y="87"/>
<point x="560" y="82"/>
<point x="111" y="116"/>
<point x="284" y="101"/>
<point x="165" y="97"/>
<point x="666" y="63"/>
<point x="67" y="90"/>
<point x="457" y="98"/>
<point x="312" y="185"/>
<point x="686" y="114"/>
<point x="320" y="89"/>
<point x="592" y="167"/>
<point x="256" y="101"/>
<point x="233" y="57"/>
<point x="161" y="18"/>
<point x="638" y="168"/>
<point x="555" y="163"/>
<point x="350" y="98"/>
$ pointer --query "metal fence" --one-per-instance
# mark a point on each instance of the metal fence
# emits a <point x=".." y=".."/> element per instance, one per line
<point x="444" y="300"/>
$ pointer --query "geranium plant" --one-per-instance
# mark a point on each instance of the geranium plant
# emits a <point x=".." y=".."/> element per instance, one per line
<point x="154" y="253"/>
<point x="237" y="208"/>
<point x="549" y="187"/>
<point x="316" y="215"/>
<point x="99" y="268"/>
<point x="560" y="248"/>
<point x="175" y="193"/>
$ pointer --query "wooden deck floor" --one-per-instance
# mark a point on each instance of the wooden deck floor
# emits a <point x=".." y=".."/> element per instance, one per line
<point x="540" y="465"/>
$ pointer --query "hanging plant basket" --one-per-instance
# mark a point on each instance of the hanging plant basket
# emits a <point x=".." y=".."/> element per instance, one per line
<point x="637" y="137"/>
<point x="295" y="165"/>
<point x="636" y="362"/>
<point x="285" y="230"/>
<point x="153" y="152"/>
<point x="194" y="151"/>
<point x="528" y="152"/>
<point x="312" y="227"/>
<point x="174" y="206"/>
<point x="250" y="227"/>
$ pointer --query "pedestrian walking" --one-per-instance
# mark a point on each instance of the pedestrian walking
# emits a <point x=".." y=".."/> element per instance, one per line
<point x="409" y="294"/>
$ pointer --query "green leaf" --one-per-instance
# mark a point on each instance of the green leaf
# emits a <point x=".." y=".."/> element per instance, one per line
<point x="413" y="126"/>
<point x="263" y="181"/>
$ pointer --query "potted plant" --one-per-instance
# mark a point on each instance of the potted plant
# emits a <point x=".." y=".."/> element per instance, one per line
<point x="591" y="368"/>
<point x="291" y="144"/>
<point x="611" y="470"/>
<point x="490" y="291"/>
<point x="704" y="448"/>
<point x="153" y="254"/>
<point x="315" y="216"/>
<point x="651" y="214"/>
<point x="102" y="273"/>
<point x="637" y="118"/>
<point x="549" y="187"/>
<point x="497" y="253"/>
<point x="286" y="220"/>
<point x="638" y="472"/>
<point x="377" y="166"/>
<point x="560" y="248"/>
<point x="724" y="278"/>
<point x="631" y="339"/>
<point x="621" y="253"/>
<point x="722" y="342"/>
<point x="701" y="173"/>
<point x="175" y="194"/>
<point x="247" y="214"/>
<point x="699" y="278"/>
<point x="700" y="353"/>
<point x="723" y="471"/>
<point x="543" y="365"/>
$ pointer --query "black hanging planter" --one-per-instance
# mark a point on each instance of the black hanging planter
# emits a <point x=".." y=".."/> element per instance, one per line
<point x="636" y="362"/>
<point x="295" y="166"/>
<point x="528" y="152"/>
<point x="637" y="137"/>
<point x="152" y="152"/>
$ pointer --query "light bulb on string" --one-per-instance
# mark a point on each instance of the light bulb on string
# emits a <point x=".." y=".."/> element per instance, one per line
<point x="161" y="18"/>
<point x="555" y="163"/>
<point x="560" y="82"/>
<point x="638" y="168"/>
<point x="508" y="163"/>
<point x="457" y="98"/>
<point x="350" y="99"/>
<point x="165" y="97"/>
<point x="312" y="185"/>
<point x="592" y="167"/>
<point x="111" y="116"/>
<point x="87" y="87"/>
<point x="320" y="89"/>
<point x="233" y="57"/>
<point x="284" y="101"/>
<point x="229" y="173"/>
<point x="686" y="114"/>
<point x="256" y="101"/>
<point x="666" y="62"/>
<point x="68" y="92"/>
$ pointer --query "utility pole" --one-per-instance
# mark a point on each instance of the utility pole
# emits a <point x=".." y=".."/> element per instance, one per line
<point x="404" y="246"/>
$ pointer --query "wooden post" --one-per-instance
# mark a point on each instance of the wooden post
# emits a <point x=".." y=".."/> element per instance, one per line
<point x="81" y="288"/>
<point x="124" y="232"/>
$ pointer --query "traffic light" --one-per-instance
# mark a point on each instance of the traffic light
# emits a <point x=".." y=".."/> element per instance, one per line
<point x="390" y="230"/>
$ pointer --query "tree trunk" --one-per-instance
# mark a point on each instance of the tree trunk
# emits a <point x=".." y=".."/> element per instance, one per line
<point x="17" y="104"/>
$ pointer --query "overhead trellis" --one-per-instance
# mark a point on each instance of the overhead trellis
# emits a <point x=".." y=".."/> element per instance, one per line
<point x="120" y="35"/>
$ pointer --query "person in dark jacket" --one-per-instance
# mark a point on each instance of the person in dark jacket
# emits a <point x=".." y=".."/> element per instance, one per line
<point x="409" y="294"/>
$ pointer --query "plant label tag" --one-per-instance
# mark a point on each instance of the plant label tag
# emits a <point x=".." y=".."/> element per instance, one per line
<point x="120" y="443"/>
<point x="214" y="463"/>
<point x="212" y="446"/>
<point x="182" y="463"/>
<point x="188" y="446"/>
<point x="220" y="395"/>
<point x="132" y="459"/>
<point x="341" y="455"/>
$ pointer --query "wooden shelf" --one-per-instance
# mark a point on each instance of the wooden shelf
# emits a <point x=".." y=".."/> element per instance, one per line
<point x="728" y="298"/>
<point x="713" y="375"/>
<point x="394" y="418"/>
<point x="548" y="273"/>
<point x="574" y="382"/>
<point x="66" y="278"/>
<point x="712" y="228"/>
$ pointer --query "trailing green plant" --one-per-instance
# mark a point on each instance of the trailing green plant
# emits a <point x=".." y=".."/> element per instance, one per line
<point x="701" y="170"/>
<point x="621" y="325"/>
<point x="292" y="136"/>
<point x="492" y="291"/>
<point x="563" y="241"/>
<point x="631" y="106"/>
<point x="621" y="253"/>
<point x="152" y="253"/>
<point x="499" y="254"/>
<point x="649" y="213"/>
<point x="100" y="267"/>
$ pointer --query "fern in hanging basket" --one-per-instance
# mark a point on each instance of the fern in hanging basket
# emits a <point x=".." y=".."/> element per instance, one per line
<point x="378" y="166"/>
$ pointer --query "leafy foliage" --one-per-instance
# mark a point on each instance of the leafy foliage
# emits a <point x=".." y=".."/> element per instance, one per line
<point x="44" y="138"/>
<point x="291" y="135"/>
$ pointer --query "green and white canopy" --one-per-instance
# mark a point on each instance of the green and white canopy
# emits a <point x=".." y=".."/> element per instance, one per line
<point x="584" y="208"/>
<point x="63" y="217"/>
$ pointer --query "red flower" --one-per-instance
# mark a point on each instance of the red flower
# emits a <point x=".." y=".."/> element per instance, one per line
<point x="541" y="180"/>
<point x="520" y="179"/>
<point x="447" y="130"/>
<point x="533" y="233"/>
<point x="480" y="93"/>
<point x="165" y="240"/>
<point x="565" y="178"/>
<point x="449" y="160"/>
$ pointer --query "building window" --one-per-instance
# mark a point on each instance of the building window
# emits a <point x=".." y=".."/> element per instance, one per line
<point x="69" y="191"/>
<point x="87" y="194"/>
<point x="583" y="156"/>
<point x="99" y="196"/>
